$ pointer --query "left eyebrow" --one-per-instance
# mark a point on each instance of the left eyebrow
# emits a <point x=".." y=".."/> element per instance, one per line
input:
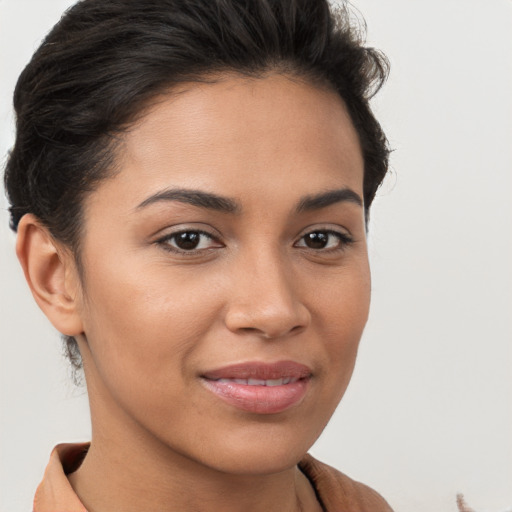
<point x="325" y="199"/>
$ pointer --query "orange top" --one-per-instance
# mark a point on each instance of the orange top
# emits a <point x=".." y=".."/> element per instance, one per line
<point x="336" y="492"/>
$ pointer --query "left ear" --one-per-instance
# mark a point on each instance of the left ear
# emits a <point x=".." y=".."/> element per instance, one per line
<point x="51" y="274"/>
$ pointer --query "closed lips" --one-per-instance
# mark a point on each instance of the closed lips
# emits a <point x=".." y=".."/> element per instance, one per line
<point x="258" y="387"/>
<point x="255" y="373"/>
<point x="261" y="382"/>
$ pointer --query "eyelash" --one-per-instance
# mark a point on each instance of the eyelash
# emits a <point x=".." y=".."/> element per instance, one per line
<point x="164" y="242"/>
<point x="344" y="240"/>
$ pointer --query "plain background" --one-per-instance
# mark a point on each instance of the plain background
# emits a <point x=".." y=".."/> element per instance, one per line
<point x="429" y="411"/>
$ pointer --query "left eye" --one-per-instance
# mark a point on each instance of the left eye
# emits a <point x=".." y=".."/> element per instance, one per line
<point x="324" y="239"/>
<point x="188" y="241"/>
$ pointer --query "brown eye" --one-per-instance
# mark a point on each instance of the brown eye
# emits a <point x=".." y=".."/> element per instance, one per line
<point x="326" y="240"/>
<point x="188" y="241"/>
<point x="316" y="240"/>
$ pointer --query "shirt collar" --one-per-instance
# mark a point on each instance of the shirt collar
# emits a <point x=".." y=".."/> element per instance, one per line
<point x="55" y="493"/>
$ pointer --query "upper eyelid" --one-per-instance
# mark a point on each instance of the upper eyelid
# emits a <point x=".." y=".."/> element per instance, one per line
<point x="165" y="242"/>
<point x="172" y="234"/>
<point x="329" y="231"/>
<point x="325" y="227"/>
<point x="344" y="238"/>
<point x="170" y="231"/>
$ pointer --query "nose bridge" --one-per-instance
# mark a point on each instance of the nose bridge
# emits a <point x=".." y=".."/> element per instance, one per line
<point x="264" y="298"/>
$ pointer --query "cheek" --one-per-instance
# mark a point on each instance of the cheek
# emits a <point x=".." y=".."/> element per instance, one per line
<point x="143" y="328"/>
<point x="341" y="317"/>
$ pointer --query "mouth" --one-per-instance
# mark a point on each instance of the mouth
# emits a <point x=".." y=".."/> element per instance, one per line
<point x="261" y="388"/>
<point x="260" y="382"/>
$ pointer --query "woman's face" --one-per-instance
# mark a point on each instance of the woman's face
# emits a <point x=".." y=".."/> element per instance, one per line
<point x="226" y="281"/>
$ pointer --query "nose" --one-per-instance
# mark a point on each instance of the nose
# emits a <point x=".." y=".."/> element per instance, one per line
<point x="264" y="301"/>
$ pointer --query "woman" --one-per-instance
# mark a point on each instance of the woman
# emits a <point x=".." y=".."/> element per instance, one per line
<point x="190" y="184"/>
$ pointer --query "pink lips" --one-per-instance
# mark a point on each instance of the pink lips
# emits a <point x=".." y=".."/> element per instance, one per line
<point x="262" y="388"/>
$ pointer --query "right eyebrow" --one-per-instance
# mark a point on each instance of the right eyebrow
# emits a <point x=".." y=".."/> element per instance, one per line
<point x="195" y="198"/>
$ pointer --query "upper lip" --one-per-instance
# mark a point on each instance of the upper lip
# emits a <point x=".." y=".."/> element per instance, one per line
<point x="260" y="370"/>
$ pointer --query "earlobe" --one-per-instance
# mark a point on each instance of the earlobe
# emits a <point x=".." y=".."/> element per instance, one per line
<point x="51" y="275"/>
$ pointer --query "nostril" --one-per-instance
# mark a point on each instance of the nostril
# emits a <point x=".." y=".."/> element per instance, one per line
<point x="248" y="329"/>
<point x="271" y="334"/>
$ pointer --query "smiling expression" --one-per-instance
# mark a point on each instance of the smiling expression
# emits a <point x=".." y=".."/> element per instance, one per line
<point x="226" y="282"/>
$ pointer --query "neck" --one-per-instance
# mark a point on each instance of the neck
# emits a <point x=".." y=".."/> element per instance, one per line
<point x="115" y="478"/>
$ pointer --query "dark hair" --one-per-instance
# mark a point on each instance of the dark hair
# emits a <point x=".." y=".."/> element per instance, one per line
<point x="98" y="68"/>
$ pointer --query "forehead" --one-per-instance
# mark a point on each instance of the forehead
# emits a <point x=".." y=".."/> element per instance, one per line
<point x="239" y="135"/>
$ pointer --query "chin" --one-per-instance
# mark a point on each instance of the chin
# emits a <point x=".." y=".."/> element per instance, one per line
<point x="256" y="462"/>
<point x="259" y="451"/>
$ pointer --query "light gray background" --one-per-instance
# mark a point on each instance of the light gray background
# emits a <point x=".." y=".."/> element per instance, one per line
<point x="429" y="411"/>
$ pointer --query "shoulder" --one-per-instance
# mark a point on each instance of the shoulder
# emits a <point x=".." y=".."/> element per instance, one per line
<point x="335" y="490"/>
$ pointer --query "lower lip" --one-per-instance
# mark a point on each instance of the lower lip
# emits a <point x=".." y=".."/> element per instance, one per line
<point x="259" y="399"/>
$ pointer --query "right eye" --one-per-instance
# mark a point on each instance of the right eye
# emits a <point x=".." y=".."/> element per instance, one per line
<point x="188" y="241"/>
